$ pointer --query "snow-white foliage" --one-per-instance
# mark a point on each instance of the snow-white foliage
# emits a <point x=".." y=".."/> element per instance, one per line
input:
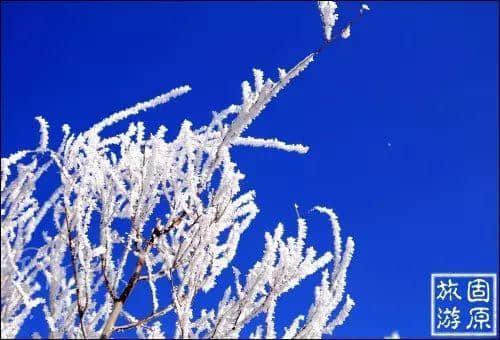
<point x="191" y="186"/>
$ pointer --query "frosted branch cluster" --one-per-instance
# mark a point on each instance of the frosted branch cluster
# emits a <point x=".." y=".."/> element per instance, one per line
<point x="176" y="211"/>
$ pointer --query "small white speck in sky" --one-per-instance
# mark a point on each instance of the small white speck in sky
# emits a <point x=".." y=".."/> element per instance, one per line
<point x="389" y="144"/>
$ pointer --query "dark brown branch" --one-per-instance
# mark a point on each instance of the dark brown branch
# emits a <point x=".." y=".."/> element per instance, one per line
<point x="147" y="319"/>
<point x="81" y="309"/>
<point x="118" y="305"/>
<point x="106" y="280"/>
<point x="140" y="262"/>
<point x="156" y="275"/>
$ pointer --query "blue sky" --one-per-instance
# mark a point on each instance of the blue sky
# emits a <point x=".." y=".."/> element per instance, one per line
<point x="422" y="76"/>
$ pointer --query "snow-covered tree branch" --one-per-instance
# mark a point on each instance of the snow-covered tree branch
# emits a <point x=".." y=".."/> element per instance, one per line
<point x="125" y="177"/>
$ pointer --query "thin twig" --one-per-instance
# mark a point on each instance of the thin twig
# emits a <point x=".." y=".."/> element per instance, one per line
<point x="106" y="280"/>
<point x="81" y="310"/>
<point x="118" y="305"/>
<point x="147" y="319"/>
<point x="326" y="43"/>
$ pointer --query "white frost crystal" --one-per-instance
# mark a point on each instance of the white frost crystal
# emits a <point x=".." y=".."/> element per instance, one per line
<point x="346" y="33"/>
<point x="328" y="17"/>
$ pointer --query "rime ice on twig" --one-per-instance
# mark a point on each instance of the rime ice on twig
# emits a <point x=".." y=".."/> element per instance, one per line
<point x="328" y="17"/>
<point x="44" y="133"/>
<point x="270" y="143"/>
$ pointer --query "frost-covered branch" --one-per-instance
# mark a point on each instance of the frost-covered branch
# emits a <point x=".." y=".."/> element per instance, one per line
<point x="184" y="214"/>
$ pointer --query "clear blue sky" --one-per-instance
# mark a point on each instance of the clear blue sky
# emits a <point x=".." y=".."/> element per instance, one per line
<point x="421" y="76"/>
